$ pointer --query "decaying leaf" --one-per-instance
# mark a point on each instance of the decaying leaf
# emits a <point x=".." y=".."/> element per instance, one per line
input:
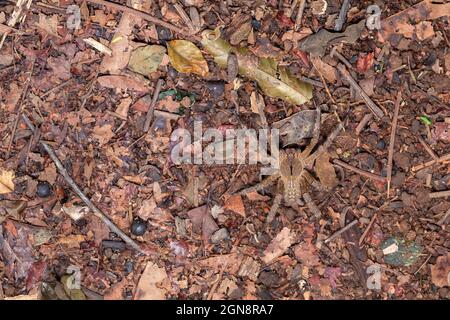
<point x="307" y="254"/>
<point x="6" y="181"/>
<point x="440" y="272"/>
<point x="235" y="204"/>
<point x="317" y="43"/>
<point x="145" y="60"/>
<point x="275" y="81"/>
<point x="325" y="171"/>
<point x="186" y="57"/>
<point x="202" y="222"/>
<point x="278" y="246"/>
<point x="11" y="208"/>
<point x="296" y="127"/>
<point x="401" y="23"/>
<point x="148" y="286"/>
<point x="328" y="72"/>
<point x="364" y="63"/>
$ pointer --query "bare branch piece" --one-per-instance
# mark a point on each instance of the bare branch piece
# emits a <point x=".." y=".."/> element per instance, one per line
<point x="80" y="193"/>
<point x="392" y="140"/>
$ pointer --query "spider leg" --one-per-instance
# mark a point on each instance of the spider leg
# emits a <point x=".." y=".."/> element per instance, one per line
<point x="311" y="205"/>
<point x="316" y="136"/>
<point x="266" y="182"/>
<point x="323" y="148"/>
<point x="273" y="210"/>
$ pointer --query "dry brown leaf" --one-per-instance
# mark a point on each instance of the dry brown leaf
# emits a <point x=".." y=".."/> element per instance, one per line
<point x="147" y="288"/>
<point x="202" y="222"/>
<point x="234" y="203"/>
<point x="103" y="133"/>
<point x="115" y="292"/>
<point x="49" y="24"/>
<point x="278" y="246"/>
<point x="71" y="241"/>
<point x="306" y="253"/>
<point x="325" y="171"/>
<point x="186" y="57"/>
<point x="49" y="174"/>
<point x="440" y="272"/>
<point x="230" y="262"/>
<point x="328" y="72"/>
<point x="6" y="181"/>
<point x="424" y="30"/>
<point x="120" y="44"/>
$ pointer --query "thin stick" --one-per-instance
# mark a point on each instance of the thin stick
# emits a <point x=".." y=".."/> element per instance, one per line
<point x="370" y="104"/>
<point x="151" y="109"/>
<point x="324" y="83"/>
<point x="430" y="163"/>
<point x="364" y="121"/>
<point x="144" y="16"/>
<point x="338" y="233"/>
<point x="359" y="171"/>
<point x="363" y="236"/>
<point x="428" y="148"/>
<point x="298" y="19"/>
<point x="392" y="141"/>
<point x="440" y="194"/>
<point x="80" y="193"/>
<point x="19" y="110"/>
<point x="342" y="16"/>
<point x="444" y="219"/>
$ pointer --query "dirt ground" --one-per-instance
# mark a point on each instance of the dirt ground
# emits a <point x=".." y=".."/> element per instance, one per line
<point x="372" y="225"/>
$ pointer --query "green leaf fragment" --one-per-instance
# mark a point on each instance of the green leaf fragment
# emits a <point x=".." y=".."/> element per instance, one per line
<point x="427" y="121"/>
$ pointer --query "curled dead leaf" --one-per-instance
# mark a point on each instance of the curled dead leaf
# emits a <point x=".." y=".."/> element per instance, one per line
<point x="186" y="57"/>
<point x="6" y="181"/>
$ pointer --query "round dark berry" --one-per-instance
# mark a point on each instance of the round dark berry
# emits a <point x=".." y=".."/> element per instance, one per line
<point x="138" y="227"/>
<point x="44" y="189"/>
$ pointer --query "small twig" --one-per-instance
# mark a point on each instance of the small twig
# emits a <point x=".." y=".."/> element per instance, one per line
<point x="20" y="109"/>
<point x="363" y="236"/>
<point x="370" y="104"/>
<point x="59" y="86"/>
<point x="359" y="171"/>
<point x="392" y="141"/>
<point x="440" y="194"/>
<point x="335" y="53"/>
<point x="341" y="231"/>
<point x="364" y="121"/>
<point x="428" y="148"/>
<point x="324" y="83"/>
<point x="80" y="193"/>
<point x="298" y="19"/>
<point x="342" y="16"/>
<point x="444" y="219"/>
<point x="216" y="283"/>
<point x="151" y="109"/>
<point x="430" y="163"/>
<point x="145" y="16"/>
<point x="423" y="264"/>
<point x="185" y="17"/>
<point x="311" y="81"/>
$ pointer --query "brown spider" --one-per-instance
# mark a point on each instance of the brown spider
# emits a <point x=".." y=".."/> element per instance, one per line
<point x="294" y="177"/>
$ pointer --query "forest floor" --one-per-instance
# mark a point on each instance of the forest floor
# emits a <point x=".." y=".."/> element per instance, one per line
<point x="108" y="89"/>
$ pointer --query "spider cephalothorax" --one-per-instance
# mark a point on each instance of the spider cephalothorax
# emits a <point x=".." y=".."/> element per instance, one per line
<point x="293" y="175"/>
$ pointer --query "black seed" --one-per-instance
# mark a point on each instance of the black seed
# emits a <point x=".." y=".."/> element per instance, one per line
<point x="44" y="189"/>
<point x="138" y="227"/>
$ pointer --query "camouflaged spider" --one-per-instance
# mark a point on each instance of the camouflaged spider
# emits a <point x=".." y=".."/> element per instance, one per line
<point x="294" y="177"/>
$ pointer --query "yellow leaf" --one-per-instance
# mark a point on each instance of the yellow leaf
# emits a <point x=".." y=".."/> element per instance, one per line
<point x="274" y="81"/>
<point x="186" y="57"/>
<point x="6" y="181"/>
